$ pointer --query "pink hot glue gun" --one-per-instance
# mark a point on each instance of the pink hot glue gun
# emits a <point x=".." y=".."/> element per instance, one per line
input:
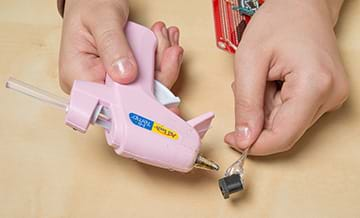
<point x="136" y="122"/>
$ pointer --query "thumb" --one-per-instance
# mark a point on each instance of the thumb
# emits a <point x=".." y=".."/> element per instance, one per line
<point x="249" y="89"/>
<point x="113" y="47"/>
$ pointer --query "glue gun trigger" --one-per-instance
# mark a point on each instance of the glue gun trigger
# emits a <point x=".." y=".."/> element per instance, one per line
<point x="164" y="96"/>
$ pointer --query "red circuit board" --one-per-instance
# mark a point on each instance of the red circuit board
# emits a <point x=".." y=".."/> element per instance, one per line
<point x="229" y="23"/>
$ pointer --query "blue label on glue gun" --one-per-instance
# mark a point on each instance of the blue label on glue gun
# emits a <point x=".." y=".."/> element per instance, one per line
<point x="153" y="126"/>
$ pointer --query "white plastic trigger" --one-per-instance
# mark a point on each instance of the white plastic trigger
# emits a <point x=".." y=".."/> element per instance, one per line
<point x="164" y="95"/>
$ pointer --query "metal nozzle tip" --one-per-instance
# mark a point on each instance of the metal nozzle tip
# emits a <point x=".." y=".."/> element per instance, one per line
<point x="206" y="164"/>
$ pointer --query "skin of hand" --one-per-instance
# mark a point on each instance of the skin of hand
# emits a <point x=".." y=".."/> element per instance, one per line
<point x="288" y="73"/>
<point x="93" y="44"/>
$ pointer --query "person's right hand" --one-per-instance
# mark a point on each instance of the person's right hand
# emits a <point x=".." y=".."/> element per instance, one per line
<point x="93" y="44"/>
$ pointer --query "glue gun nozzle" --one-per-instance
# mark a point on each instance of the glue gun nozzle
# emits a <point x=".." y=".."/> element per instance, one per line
<point x="205" y="164"/>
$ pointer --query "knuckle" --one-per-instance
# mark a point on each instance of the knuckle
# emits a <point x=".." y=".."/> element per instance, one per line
<point x="321" y="82"/>
<point x="246" y="105"/>
<point x="64" y="86"/>
<point x="105" y="39"/>
<point x="343" y="90"/>
<point x="64" y="82"/>
<point x="324" y="81"/>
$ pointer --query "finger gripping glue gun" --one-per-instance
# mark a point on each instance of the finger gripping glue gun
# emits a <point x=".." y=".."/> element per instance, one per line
<point x="136" y="124"/>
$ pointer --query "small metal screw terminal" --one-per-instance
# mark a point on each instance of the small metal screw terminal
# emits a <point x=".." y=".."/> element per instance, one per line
<point x="230" y="184"/>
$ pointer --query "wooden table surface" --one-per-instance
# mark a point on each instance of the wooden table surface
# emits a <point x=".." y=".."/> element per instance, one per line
<point x="49" y="170"/>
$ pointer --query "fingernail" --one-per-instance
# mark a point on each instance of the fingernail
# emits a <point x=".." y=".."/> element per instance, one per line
<point x="123" y="67"/>
<point x="164" y="32"/>
<point x="243" y="133"/>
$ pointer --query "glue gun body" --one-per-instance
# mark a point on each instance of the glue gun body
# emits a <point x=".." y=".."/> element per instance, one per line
<point x="136" y="125"/>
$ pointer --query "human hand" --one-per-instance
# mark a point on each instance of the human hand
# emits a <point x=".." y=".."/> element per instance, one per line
<point x="292" y="42"/>
<point x="93" y="44"/>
